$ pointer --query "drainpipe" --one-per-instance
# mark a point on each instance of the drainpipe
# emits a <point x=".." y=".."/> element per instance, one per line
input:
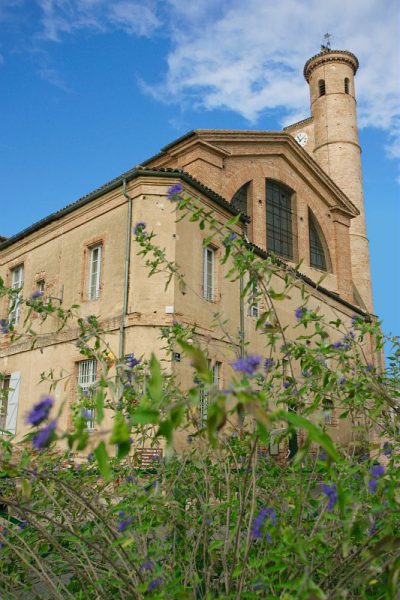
<point x="241" y="308"/>
<point x="126" y="273"/>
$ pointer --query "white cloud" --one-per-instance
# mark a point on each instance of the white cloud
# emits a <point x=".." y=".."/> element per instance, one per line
<point x="68" y="16"/>
<point x="248" y="56"/>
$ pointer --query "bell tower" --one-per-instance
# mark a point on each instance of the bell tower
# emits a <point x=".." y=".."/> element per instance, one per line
<point x="330" y="76"/>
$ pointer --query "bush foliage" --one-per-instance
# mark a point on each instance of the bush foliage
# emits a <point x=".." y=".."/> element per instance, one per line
<point x="225" y="518"/>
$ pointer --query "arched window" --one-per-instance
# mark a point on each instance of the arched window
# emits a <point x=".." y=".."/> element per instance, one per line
<point x="346" y="85"/>
<point x="321" y="87"/>
<point x="318" y="249"/>
<point x="239" y="199"/>
<point x="279" y="219"/>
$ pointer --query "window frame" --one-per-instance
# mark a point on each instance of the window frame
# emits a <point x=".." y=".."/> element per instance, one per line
<point x="321" y="88"/>
<point x="4" y="397"/>
<point x="314" y="225"/>
<point x="210" y="291"/>
<point x="86" y="386"/>
<point x="94" y="288"/>
<point x="277" y="212"/>
<point x="15" y="304"/>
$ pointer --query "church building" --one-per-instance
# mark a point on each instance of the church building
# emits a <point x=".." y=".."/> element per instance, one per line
<point x="300" y="195"/>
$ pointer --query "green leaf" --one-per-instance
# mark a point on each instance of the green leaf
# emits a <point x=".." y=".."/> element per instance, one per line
<point x="315" y="433"/>
<point x="197" y="357"/>
<point x="145" y="415"/>
<point x="155" y="383"/>
<point x="102" y="460"/>
<point x="99" y="399"/>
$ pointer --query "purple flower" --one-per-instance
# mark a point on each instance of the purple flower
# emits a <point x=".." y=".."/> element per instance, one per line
<point x="4" y="325"/>
<point x="155" y="584"/>
<point x="259" y="520"/>
<point x="342" y="380"/>
<point x="323" y="455"/>
<point x="372" y="485"/>
<point x="286" y="384"/>
<point x="174" y="190"/>
<point x="130" y="479"/>
<point x="147" y="565"/>
<point x="377" y="470"/>
<point x="122" y="525"/>
<point x="131" y="361"/>
<point x="331" y="492"/>
<point x="44" y="436"/>
<point x="22" y="525"/>
<point x="37" y="294"/>
<point x="248" y="364"/>
<point x="139" y="227"/>
<point x="387" y="449"/>
<point x="368" y="368"/>
<point x="230" y="238"/>
<point x="300" y="312"/>
<point x="269" y="362"/>
<point x="40" y="411"/>
<point x="337" y="344"/>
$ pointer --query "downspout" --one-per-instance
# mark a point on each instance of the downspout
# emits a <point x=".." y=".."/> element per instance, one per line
<point x="241" y="309"/>
<point x="126" y="273"/>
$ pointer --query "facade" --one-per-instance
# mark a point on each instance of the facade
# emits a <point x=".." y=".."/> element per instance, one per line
<point x="301" y="190"/>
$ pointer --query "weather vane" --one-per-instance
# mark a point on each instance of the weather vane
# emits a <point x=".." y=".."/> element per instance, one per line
<point x="327" y="42"/>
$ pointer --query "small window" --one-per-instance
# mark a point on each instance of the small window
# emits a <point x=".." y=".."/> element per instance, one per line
<point x="346" y="85"/>
<point x="239" y="200"/>
<point x="254" y="309"/>
<point x="94" y="272"/>
<point x="216" y="379"/>
<point x="17" y="282"/>
<point x="317" y="252"/>
<point x="279" y="219"/>
<point x="209" y="274"/>
<point x="321" y="87"/>
<point x="328" y="411"/>
<point x="87" y="370"/>
<point x="40" y="286"/>
<point x="4" y="392"/>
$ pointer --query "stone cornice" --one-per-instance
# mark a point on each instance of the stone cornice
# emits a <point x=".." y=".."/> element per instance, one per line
<point x="327" y="56"/>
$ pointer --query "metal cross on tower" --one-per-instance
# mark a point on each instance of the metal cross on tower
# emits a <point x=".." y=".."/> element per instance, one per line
<point x="327" y="41"/>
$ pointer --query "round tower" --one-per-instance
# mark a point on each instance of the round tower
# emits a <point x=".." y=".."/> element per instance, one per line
<point x="330" y="75"/>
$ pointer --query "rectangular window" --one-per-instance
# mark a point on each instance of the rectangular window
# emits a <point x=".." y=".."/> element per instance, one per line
<point x="94" y="272"/>
<point x="216" y="379"/>
<point x="17" y="282"/>
<point x="40" y="286"/>
<point x="4" y="392"/>
<point x="254" y="310"/>
<point x="279" y="219"/>
<point x="328" y="411"/>
<point x="209" y="274"/>
<point x="87" y="370"/>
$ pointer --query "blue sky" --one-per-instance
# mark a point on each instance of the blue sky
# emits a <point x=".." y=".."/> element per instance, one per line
<point x="89" y="88"/>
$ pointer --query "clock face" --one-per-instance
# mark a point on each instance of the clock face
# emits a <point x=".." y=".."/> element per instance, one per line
<point x="301" y="138"/>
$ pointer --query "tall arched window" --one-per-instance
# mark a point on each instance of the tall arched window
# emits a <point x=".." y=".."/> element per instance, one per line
<point x="321" y="87"/>
<point x="239" y="199"/>
<point x="346" y="85"/>
<point x="319" y="258"/>
<point x="279" y="219"/>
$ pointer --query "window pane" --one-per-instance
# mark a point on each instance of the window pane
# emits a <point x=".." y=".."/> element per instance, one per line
<point x="4" y="390"/>
<point x="86" y="378"/>
<point x="16" y="283"/>
<point x="317" y="254"/>
<point x="94" y="272"/>
<point x="239" y="200"/>
<point x="208" y="277"/>
<point x="279" y="220"/>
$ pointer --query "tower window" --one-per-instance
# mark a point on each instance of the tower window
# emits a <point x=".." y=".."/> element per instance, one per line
<point x="321" y="87"/>
<point x="279" y="219"/>
<point x="317" y="252"/>
<point x="346" y="85"/>
<point x="239" y="199"/>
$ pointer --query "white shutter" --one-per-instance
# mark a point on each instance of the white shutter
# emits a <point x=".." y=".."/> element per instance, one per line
<point x="13" y="398"/>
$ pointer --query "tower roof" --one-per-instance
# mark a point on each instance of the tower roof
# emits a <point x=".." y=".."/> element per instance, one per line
<point x="327" y="56"/>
